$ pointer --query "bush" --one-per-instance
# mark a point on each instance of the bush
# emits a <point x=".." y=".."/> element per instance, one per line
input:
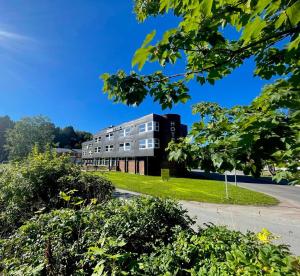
<point x="219" y="251"/>
<point x="68" y="241"/>
<point x="144" y="236"/>
<point x="35" y="184"/>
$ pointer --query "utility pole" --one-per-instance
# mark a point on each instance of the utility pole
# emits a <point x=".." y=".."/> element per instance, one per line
<point x="226" y="186"/>
<point x="235" y="177"/>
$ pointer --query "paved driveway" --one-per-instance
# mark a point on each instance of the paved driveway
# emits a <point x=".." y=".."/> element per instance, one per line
<point x="282" y="192"/>
<point x="282" y="220"/>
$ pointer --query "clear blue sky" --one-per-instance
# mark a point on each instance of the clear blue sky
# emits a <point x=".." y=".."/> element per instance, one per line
<point x="52" y="53"/>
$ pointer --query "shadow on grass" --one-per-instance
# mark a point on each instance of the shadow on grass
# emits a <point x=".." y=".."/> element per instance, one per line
<point x="240" y="178"/>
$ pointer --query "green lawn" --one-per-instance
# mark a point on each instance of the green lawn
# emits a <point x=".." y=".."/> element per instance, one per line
<point x="188" y="189"/>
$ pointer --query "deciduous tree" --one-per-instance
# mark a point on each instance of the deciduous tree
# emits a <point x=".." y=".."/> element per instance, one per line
<point x="267" y="32"/>
<point x="5" y="124"/>
<point x="26" y="133"/>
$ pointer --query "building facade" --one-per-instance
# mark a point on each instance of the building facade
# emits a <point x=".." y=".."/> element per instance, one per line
<point x="137" y="146"/>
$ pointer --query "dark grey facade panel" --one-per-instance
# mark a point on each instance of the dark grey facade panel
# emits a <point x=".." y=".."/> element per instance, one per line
<point x="170" y="128"/>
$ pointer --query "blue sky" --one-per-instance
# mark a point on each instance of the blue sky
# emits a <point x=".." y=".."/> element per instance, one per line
<point x="52" y="53"/>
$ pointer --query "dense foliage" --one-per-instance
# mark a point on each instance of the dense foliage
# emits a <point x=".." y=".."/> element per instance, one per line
<point x="79" y="241"/>
<point x="34" y="185"/>
<point x="67" y="137"/>
<point x="18" y="138"/>
<point x="26" y="133"/>
<point x="219" y="251"/>
<point x="248" y="138"/>
<point x="214" y="37"/>
<point x="142" y="236"/>
<point x="267" y="31"/>
<point x="5" y="124"/>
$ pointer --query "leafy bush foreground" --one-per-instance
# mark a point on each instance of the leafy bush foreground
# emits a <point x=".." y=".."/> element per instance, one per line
<point x="143" y="236"/>
<point x="56" y="220"/>
<point x="36" y="183"/>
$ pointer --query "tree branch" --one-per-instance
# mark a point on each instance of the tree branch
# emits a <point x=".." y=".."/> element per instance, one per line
<point x="233" y="53"/>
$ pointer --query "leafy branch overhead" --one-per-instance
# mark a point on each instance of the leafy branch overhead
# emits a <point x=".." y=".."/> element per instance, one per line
<point x="248" y="138"/>
<point x="265" y="30"/>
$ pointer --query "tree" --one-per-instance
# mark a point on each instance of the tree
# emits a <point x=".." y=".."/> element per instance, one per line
<point x="266" y="31"/>
<point x="247" y="138"/>
<point x="82" y="136"/>
<point x="5" y="124"/>
<point x="26" y="133"/>
<point x="69" y="138"/>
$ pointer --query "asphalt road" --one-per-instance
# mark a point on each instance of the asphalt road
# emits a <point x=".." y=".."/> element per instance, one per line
<point x="282" y="220"/>
<point x="282" y="192"/>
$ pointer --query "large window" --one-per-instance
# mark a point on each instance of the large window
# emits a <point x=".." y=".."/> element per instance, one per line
<point x="109" y="148"/>
<point x="143" y="144"/>
<point x="125" y="146"/>
<point x="126" y="131"/>
<point x="142" y="128"/>
<point x="149" y="143"/>
<point x="149" y="126"/>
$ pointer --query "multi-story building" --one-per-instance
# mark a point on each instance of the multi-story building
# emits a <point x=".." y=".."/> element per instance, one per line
<point x="137" y="146"/>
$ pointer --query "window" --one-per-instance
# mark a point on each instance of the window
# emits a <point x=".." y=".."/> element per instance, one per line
<point x="109" y="148"/>
<point x="97" y="149"/>
<point x="97" y="139"/>
<point x="149" y="126"/>
<point x="121" y="147"/>
<point x="149" y="143"/>
<point x="127" y="146"/>
<point x="126" y="131"/>
<point x="142" y="128"/>
<point x="142" y="144"/>
<point x="109" y="136"/>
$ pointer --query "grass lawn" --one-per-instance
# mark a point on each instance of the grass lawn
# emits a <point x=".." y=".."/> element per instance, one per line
<point x="188" y="189"/>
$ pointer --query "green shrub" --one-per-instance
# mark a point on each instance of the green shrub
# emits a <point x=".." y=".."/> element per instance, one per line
<point x="35" y="184"/>
<point x="69" y="241"/>
<point x="219" y="251"/>
<point x="143" y="236"/>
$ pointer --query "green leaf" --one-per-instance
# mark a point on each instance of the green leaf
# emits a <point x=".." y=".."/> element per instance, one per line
<point x="281" y="19"/>
<point x="253" y="29"/>
<point x="148" y="38"/>
<point x="141" y="56"/>
<point x="293" y="13"/>
<point x="206" y="6"/>
<point x="64" y="196"/>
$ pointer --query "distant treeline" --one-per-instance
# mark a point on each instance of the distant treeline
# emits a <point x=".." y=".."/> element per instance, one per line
<point x="18" y="137"/>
